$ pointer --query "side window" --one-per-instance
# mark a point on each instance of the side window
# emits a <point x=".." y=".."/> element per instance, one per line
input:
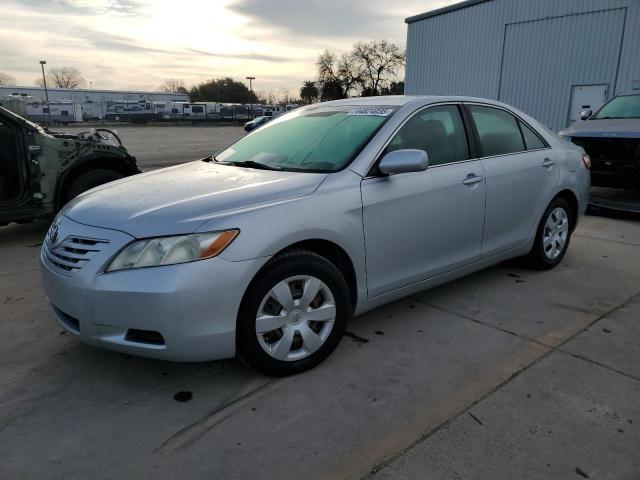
<point x="439" y="131"/>
<point x="498" y="131"/>
<point x="531" y="139"/>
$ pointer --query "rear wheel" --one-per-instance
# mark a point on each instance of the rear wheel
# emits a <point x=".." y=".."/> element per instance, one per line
<point x="293" y="314"/>
<point x="553" y="236"/>
<point x="89" y="180"/>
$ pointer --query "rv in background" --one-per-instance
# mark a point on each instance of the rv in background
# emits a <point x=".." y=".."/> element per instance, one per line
<point x="60" y="112"/>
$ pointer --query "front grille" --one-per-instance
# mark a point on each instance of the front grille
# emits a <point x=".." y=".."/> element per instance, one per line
<point x="612" y="155"/>
<point x="69" y="256"/>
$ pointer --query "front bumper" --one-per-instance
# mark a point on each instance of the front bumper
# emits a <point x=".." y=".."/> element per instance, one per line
<point x="192" y="306"/>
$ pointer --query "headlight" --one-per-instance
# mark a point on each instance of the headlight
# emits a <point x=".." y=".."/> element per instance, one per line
<point x="153" y="252"/>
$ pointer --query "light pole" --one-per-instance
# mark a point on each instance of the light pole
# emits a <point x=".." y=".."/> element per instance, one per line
<point x="46" y="92"/>
<point x="251" y="79"/>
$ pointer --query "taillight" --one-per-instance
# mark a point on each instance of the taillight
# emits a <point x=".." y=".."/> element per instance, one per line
<point x="586" y="161"/>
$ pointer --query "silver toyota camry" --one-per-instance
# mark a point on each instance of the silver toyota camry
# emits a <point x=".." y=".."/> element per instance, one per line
<point x="267" y="248"/>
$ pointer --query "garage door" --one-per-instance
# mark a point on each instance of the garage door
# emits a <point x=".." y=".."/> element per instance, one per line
<point x="544" y="59"/>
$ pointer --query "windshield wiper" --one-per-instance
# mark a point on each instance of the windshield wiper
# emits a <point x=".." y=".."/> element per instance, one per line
<point x="254" y="164"/>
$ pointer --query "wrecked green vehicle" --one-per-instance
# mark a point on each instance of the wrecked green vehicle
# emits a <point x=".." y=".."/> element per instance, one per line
<point x="40" y="171"/>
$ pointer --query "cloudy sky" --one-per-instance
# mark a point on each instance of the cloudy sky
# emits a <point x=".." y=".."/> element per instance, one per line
<point x="135" y="44"/>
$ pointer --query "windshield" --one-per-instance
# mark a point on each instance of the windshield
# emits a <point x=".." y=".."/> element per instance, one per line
<point x="318" y="139"/>
<point x="624" y="106"/>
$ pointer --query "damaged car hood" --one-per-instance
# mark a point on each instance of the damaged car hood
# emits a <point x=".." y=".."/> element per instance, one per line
<point x="614" y="127"/>
<point x="179" y="199"/>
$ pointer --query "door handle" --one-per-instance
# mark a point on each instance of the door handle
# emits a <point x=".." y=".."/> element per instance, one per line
<point x="472" y="179"/>
<point x="548" y="163"/>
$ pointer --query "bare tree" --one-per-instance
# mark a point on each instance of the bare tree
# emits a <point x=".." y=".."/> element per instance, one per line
<point x="64" y="77"/>
<point x="173" y="85"/>
<point x="336" y="75"/>
<point x="7" y="80"/>
<point x="379" y="61"/>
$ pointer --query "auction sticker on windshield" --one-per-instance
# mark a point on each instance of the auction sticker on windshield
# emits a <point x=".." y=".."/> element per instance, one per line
<point x="376" y="112"/>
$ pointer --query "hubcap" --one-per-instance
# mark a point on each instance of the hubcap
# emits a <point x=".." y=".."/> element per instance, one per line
<point x="556" y="231"/>
<point x="295" y="318"/>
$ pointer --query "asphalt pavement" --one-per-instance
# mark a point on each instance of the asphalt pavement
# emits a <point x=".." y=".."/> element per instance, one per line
<point x="158" y="146"/>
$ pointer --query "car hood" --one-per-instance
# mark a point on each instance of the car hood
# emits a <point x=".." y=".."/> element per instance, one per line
<point x="179" y="199"/>
<point x="615" y="127"/>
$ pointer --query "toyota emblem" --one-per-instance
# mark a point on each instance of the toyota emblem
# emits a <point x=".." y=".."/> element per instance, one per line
<point x="53" y="233"/>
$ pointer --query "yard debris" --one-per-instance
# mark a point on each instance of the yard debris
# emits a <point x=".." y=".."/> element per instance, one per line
<point x="580" y="472"/>
<point x="475" y="418"/>
<point x="183" y="396"/>
<point x="357" y="338"/>
<point x="11" y="300"/>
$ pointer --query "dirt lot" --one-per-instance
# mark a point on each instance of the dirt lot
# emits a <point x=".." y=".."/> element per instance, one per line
<point x="506" y="374"/>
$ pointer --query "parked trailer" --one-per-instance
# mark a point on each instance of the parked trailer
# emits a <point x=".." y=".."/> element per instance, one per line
<point x="135" y="112"/>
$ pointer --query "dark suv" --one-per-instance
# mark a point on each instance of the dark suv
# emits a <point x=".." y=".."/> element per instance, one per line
<point x="611" y="137"/>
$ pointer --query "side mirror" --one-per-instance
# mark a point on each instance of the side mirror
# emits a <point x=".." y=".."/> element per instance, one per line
<point x="404" y="161"/>
<point x="585" y="114"/>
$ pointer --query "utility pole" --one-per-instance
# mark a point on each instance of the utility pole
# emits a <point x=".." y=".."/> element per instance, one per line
<point x="251" y="79"/>
<point x="46" y="92"/>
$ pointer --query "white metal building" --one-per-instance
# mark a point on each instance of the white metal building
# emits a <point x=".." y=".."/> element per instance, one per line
<point x="94" y="103"/>
<point x="550" y="58"/>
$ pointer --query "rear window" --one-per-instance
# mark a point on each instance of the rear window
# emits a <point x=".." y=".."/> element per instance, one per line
<point x="498" y="131"/>
<point x="531" y="139"/>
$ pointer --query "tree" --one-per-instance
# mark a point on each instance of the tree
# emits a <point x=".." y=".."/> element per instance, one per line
<point x="64" y="77"/>
<point x="379" y="61"/>
<point x="309" y="92"/>
<point x="331" y="90"/>
<point x="394" y="88"/>
<point x="7" y="80"/>
<point x="368" y="69"/>
<point x="173" y="85"/>
<point x="223" y="90"/>
<point x="336" y="76"/>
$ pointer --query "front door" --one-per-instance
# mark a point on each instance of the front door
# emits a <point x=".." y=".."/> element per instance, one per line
<point x="419" y="225"/>
<point x="10" y="162"/>
<point x="586" y="97"/>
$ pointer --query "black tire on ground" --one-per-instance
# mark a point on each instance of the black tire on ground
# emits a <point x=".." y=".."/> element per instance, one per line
<point x="281" y="267"/>
<point x="537" y="258"/>
<point x="89" y="180"/>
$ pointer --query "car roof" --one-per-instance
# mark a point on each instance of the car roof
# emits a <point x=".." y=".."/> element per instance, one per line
<point x="402" y="100"/>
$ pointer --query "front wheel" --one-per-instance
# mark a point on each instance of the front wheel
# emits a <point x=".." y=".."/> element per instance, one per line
<point x="553" y="236"/>
<point x="294" y="314"/>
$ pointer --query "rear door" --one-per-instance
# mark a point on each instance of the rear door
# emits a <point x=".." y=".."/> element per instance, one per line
<point x="521" y="174"/>
<point x="419" y="225"/>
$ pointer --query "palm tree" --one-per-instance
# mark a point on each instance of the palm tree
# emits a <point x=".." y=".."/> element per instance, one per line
<point x="309" y="91"/>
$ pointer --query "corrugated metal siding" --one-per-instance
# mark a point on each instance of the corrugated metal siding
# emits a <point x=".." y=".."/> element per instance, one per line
<point x="543" y="59"/>
<point x="461" y="52"/>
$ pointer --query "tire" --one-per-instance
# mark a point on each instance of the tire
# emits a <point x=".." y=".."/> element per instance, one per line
<point x="304" y="342"/>
<point x="548" y="248"/>
<point x="89" y="180"/>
